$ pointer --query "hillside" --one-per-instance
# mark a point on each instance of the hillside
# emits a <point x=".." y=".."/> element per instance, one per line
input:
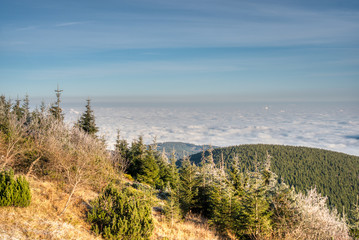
<point x="181" y="149"/>
<point x="335" y="175"/>
<point x="60" y="182"/>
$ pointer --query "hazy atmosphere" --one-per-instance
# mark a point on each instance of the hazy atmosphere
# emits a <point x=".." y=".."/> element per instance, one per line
<point x="253" y="104"/>
<point x="235" y="72"/>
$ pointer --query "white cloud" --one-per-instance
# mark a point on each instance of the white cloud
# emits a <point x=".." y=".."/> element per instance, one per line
<point x="314" y="125"/>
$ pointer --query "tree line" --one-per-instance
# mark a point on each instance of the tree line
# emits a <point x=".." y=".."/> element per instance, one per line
<point x="244" y="202"/>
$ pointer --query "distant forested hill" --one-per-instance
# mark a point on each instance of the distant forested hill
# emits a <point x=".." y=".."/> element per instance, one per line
<point x="181" y="148"/>
<point x="334" y="174"/>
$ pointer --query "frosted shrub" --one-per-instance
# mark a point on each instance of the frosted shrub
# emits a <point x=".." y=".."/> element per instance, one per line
<point x="318" y="222"/>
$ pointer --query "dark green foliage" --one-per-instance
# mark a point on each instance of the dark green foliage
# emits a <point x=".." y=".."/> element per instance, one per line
<point x="256" y="212"/>
<point x="121" y="214"/>
<point x="148" y="169"/>
<point x="14" y="192"/>
<point x="168" y="172"/>
<point x="171" y="208"/>
<point x="56" y="110"/>
<point x="87" y="120"/>
<point x="17" y="109"/>
<point x="286" y="213"/>
<point x="181" y="149"/>
<point x="5" y="107"/>
<point x="136" y="155"/>
<point x="188" y="188"/>
<point x="121" y="147"/>
<point x="354" y="221"/>
<point x="334" y="174"/>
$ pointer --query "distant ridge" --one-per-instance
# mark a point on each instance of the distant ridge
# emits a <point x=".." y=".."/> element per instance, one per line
<point x="334" y="174"/>
<point x="181" y="148"/>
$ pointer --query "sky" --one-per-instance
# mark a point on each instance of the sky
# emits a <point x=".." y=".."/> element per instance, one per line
<point x="189" y="50"/>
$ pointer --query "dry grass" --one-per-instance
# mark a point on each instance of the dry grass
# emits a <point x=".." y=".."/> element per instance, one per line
<point x="193" y="228"/>
<point x="40" y="220"/>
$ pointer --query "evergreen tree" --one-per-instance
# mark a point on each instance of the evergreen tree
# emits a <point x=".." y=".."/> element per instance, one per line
<point x="354" y="221"/>
<point x="174" y="181"/>
<point x="26" y="109"/>
<point x="56" y="110"/>
<point x="256" y="213"/>
<point x="164" y="170"/>
<point x="121" y="214"/>
<point x="171" y="209"/>
<point x="17" y="110"/>
<point x="188" y="190"/>
<point x="122" y="153"/>
<point x="207" y="175"/>
<point x="5" y="107"/>
<point x="87" y="120"/>
<point x="148" y="168"/>
<point x="136" y="155"/>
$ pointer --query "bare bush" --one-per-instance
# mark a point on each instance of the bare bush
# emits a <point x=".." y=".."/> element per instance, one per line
<point x="13" y="140"/>
<point x="74" y="157"/>
<point x="318" y="222"/>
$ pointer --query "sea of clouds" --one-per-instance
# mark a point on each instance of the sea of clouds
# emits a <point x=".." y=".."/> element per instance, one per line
<point x="321" y="125"/>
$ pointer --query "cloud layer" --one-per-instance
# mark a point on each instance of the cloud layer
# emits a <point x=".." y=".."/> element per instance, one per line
<point x="329" y="126"/>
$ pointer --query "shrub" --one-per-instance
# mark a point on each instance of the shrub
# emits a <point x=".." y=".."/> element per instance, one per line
<point x="124" y="214"/>
<point x="14" y="192"/>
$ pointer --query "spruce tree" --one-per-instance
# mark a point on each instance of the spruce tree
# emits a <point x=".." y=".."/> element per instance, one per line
<point x="188" y="189"/>
<point x="148" y="170"/>
<point x="26" y="109"/>
<point x="56" y="110"/>
<point x="5" y="107"/>
<point x="256" y="212"/>
<point x="122" y="153"/>
<point x="17" y="110"/>
<point x="174" y="181"/>
<point x="172" y="209"/>
<point x="354" y="221"/>
<point x="136" y="155"/>
<point x="164" y="170"/>
<point x="87" y="120"/>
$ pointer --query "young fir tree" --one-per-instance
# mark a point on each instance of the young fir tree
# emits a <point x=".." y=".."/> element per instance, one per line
<point x="354" y="221"/>
<point x="164" y="170"/>
<point x="17" y="110"/>
<point x="87" y="120"/>
<point x="122" y="153"/>
<point x="5" y="107"/>
<point x="207" y="175"/>
<point x="26" y="108"/>
<point x="220" y="198"/>
<point x="188" y="188"/>
<point x="174" y="181"/>
<point x="148" y="168"/>
<point x="56" y="110"/>
<point x="136" y="155"/>
<point x="171" y="208"/>
<point x="256" y="212"/>
<point x="121" y="214"/>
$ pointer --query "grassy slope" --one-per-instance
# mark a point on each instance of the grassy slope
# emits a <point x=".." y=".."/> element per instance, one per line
<point x="334" y="174"/>
<point x="40" y="220"/>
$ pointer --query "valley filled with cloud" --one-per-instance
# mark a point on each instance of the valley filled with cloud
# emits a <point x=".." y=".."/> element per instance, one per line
<point x="321" y="125"/>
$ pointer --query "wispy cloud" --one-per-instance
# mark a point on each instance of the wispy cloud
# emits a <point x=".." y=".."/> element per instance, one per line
<point x="213" y="24"/>
<point x="65" y="24"/>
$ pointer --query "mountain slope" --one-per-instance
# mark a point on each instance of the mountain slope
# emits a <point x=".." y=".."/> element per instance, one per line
<point x="335" y="175"/>
<point x="181" y="149"/>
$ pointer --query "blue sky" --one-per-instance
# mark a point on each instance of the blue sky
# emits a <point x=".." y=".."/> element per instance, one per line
<point x="228" y="50"/>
